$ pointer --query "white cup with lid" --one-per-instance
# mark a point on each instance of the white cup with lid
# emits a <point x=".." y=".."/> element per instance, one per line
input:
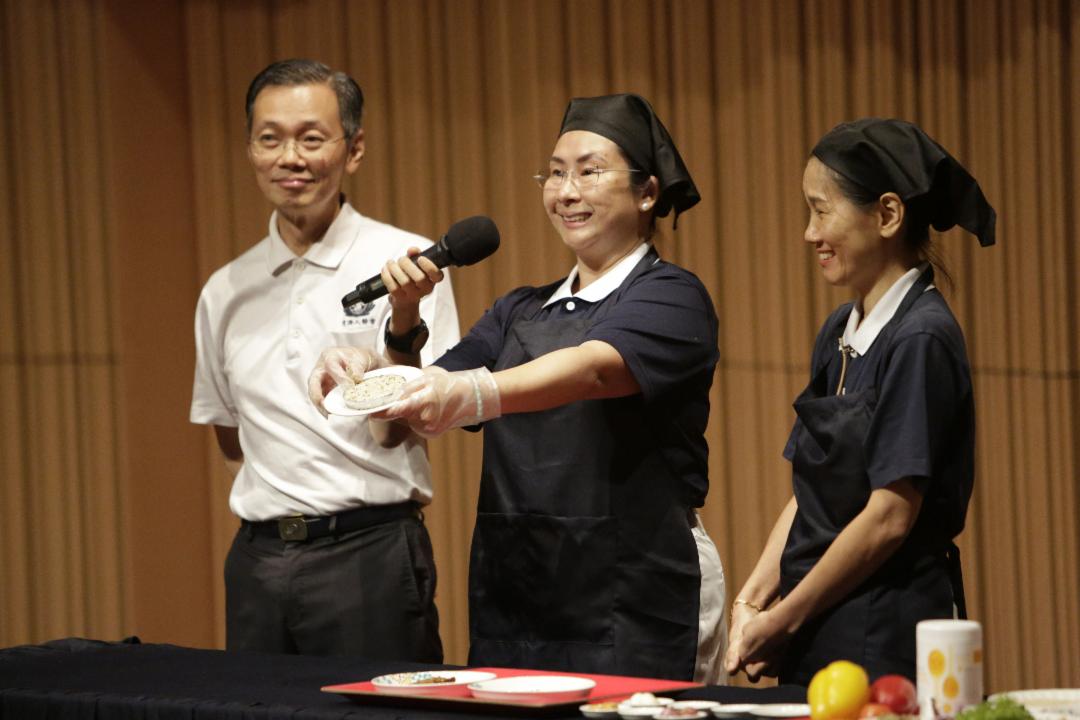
<point x="949" y="666"/>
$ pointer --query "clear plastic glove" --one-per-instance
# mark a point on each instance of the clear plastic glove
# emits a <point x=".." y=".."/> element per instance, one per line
<point x="339" y="366"/>
<point x="441" y="400"/>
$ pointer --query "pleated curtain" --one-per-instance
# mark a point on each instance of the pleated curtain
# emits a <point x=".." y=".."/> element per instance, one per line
<point x="124" y="184"/>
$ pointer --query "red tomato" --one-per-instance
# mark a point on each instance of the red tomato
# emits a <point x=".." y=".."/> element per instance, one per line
<point x="872" y="709"/>
<point x="897" y="692"/>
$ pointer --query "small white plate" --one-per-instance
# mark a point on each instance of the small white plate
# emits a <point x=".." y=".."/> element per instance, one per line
<point x="606" y="709"/>
<point x="706" y="705"/>
<point x="637" y="712"/>
<point x="657" y="701"/>
<point x="672" y="712"/>
<point x="734" y="709"/>
<point x="334" y="402"/>
<point x="538" y="689"/>
<point x="413" y="683"/>
<point x="782" y="710"/>
<point x="1051" y="704"/>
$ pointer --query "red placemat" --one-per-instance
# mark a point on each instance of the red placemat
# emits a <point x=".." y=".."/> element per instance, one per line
<point x="608" y="687"/>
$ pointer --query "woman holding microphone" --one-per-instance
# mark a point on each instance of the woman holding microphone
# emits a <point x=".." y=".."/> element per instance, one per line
<point x="882" y="450"/>
<point x="593" y="394"/>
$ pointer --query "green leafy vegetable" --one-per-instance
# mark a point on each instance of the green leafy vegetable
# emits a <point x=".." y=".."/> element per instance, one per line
<point x="1000" y="709"/>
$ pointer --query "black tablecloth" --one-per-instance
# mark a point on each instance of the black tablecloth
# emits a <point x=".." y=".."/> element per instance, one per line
<point x="88" y="679"/>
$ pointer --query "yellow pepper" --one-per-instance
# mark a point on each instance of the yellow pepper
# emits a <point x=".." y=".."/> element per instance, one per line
<point x="838" y="691"/>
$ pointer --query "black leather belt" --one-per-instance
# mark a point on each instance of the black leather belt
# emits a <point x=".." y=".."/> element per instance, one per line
<point x="298" y="528"/>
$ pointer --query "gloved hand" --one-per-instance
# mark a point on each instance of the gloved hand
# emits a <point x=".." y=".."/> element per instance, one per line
<point x="441" y="400"/>
<point x="339" y="366"/>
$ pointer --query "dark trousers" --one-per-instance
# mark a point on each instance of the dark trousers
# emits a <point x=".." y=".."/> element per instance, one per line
<point x="368" y="593"/>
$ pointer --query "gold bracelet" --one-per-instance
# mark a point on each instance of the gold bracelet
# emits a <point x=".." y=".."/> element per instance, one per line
<point x="747" y="603"/>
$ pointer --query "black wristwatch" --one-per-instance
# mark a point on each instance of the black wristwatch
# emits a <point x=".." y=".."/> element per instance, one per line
<point x="411" y="342"/>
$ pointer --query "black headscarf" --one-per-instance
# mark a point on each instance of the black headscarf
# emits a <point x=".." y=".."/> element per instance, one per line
<point x="887" y="155"/>
<point x="629" y="121"/>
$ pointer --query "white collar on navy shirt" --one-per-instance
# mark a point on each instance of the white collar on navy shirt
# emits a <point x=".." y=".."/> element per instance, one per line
<point x="859" y="336"/>
<point x="327" y="252"/>
<point x="604" y="285"/>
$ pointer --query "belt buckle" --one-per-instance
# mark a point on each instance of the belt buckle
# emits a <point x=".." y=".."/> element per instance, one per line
<point x="292" y="528"/>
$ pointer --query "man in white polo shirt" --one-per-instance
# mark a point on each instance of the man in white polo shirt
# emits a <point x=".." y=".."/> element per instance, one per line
<point x="332" y="556"/>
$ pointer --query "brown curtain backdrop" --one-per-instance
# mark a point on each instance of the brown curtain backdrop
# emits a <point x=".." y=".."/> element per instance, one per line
<point x="124" y="184"/>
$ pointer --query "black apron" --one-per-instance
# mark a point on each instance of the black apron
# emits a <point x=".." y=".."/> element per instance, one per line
<point x="582" y="558"/>
<point x="874" y="626"/>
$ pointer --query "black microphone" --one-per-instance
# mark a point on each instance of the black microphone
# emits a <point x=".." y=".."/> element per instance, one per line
<point x="466" y="242"/>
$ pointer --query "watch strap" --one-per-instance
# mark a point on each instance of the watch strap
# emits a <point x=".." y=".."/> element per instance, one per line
<point x="411" y="342"/>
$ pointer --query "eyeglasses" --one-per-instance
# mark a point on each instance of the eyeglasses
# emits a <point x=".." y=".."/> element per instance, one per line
<point x="268" y="145"/>
<point x="587" y="177"/>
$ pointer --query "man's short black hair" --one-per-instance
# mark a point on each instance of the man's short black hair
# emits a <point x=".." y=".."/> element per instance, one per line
<point x="298" y="71"/>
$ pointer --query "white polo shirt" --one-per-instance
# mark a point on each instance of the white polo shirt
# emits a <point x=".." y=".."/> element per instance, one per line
<point x="261" y="323"/>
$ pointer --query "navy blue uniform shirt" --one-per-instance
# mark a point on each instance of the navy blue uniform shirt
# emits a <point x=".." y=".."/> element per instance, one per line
<point x="923" y="424"/>
<point x="662" y="324"/>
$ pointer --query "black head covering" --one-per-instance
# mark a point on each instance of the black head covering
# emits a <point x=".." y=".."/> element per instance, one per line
<point x="629" y="121"/>
<point x="886" y="155"/>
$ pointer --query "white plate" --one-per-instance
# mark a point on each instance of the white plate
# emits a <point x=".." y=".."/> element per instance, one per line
<point x="706" y="705"/>
<point x="657" y="702"/>
<point x="334" y="402"/>
<point x="734" y="709"/>
<point x="411" y="683"/>
<point x="606" y="709"/>
<point x="637" y="712"/>
<point x="782" y="710"/>
<point x="642" y="710"/>
<point x="540" y="689"/>
<point x="691" y="713"/>
<point x="1053" y="704"/>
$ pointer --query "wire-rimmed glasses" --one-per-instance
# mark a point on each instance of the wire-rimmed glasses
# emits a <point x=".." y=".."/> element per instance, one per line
<point x="268" y="145"/>
<point x="585" y="178"/>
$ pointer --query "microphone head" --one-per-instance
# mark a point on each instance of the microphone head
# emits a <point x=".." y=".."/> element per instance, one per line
<point x="472" y="239"/>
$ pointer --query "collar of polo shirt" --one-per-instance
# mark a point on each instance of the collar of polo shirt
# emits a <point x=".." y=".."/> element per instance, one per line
<point x="603" y="285"/>
<point x="859" y="334"/>
<point x="327" y="253"/>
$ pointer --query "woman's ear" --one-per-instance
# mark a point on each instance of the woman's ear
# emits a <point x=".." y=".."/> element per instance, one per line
<point x="891" y="213"/>
<point x="649" y="194"/>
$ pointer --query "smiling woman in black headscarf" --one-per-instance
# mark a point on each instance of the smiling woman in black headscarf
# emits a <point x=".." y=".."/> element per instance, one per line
<point x="593" y="392"/>
<point x="882" y="450"/>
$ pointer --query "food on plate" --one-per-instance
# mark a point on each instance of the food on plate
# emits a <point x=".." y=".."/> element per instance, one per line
<point x="373" y="391"/>
<point x="606" y="709"/>
<point x="1045" y="703"/>
<point x="680" y="712"/>
<point x="433" y="679"/>
<point x="429" y="682"/>
<point x="645" y="699"/>
<point x="1002" y="708"/>
<point x="897" y="692"/>
<point x="642" y="705"/>
<point x="609" y="706"/>
<point x="838" y="691"/>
